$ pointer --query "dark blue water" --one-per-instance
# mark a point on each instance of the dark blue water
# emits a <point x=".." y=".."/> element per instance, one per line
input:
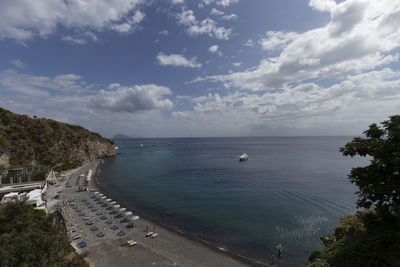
<point x="292" y="190"/>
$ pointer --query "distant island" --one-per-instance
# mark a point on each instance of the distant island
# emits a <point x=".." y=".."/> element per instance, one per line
<point x="123" y="136"/>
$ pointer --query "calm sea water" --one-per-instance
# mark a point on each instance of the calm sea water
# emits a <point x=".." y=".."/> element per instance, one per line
<point x="292" y="190"/>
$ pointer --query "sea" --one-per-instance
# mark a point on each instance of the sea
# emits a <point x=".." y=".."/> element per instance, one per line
<point x="289" y="193"/>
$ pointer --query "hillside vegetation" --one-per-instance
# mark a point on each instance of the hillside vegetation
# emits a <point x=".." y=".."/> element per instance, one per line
<point x="38" y="143"/>
<point x="30" y="238"/>
<point x="371" y="237"/>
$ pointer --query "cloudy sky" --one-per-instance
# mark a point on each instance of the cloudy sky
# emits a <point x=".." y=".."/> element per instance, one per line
<point x="166" y="68"/>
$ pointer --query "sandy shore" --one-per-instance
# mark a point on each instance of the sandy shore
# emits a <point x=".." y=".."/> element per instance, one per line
<point x="168" y="249"/>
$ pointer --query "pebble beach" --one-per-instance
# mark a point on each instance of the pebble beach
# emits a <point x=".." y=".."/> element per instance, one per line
<point x="168" y="248"/>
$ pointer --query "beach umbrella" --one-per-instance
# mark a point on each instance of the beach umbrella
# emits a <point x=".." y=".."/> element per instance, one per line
<point x="122" y="209"/>
<point x="108" y="199"/>
<point x="128" y="213"/>
<point x="114" y="202"/>
<point x="116" y="206"/>
<point x="134" y="218"/>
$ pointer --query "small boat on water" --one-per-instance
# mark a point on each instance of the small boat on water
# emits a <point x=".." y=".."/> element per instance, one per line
<point x="243" y="157"/>
<point x="141" y="145"/>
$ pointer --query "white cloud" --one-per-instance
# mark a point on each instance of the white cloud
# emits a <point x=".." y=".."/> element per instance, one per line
<point x="164" y="33"/>
<point x="206" y="26"/>
<point x="249" y="43"/>
<point x="68" y="98"/>
<point x="14" y="81"/>
<point x="213" y="48"/>
<point x="90" y="35"/>
<point x="132" y="99"/>
<point x="226" y="3"/>
<point x="74" y="40"/>
<point x="131" y="23"/>
<point x="277" y="40"/>
<point x="359" y="38"/>
<point x="352" y="53"/>
<point x="144" y="109"/>
<point x="19" y="64"/>
<point x="230" y="17"/>
<point x="237" y="64"/>
<point x="306" y="105"/>
<point x="177" y="60"/>
<point x="322" y="5"/>
<point x="174" y="2"/>
<point x="223" y="3"/>
<point x="137" y="17"/>
<point x="216" y="12"/>
<point x="187" y="18"/>
<point x="24" y="19"/>
<point x="125" y="27"/>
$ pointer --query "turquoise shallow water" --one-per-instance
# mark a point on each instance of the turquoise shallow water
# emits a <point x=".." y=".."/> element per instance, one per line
<point x="292" y="190"/>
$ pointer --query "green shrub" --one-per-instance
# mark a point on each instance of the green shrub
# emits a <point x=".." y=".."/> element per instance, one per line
<point x="3" y="141"/>
<point x="30" y="238"/>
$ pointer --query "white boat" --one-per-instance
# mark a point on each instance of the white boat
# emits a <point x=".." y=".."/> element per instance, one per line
<point x="141" y="145"/>
<point x="243" y="157"/>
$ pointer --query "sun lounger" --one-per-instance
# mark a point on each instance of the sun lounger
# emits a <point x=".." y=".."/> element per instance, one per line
<point x="131" y="243"/>
<point x="149" y="234"/>
<point x="154" y="235"/>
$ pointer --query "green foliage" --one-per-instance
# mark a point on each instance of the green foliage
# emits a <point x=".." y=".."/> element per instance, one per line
<point x="3" y="141"/>
<point x="39" y="176"/>
<point x="363" y="239"/>
<point x="30" y="238"/>
<point x="371" y="237"/>
<point x="379" y="182"/>
<point x="67" y="166"/>
<point x="31" y="142"/>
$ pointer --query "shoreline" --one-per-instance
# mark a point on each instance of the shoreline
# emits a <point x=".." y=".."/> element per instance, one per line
<point x="184" y="235"/>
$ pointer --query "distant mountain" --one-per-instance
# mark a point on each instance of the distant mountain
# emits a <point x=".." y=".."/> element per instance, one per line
<point x="123" y="136"/>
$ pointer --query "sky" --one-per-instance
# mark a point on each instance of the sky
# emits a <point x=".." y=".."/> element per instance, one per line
<point x="182" y="68"/>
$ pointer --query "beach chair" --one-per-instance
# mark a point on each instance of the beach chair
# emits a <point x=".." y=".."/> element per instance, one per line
<point x="149" y="234"/>
<point x="154" y="235"/>
<point x="131" y="243"/>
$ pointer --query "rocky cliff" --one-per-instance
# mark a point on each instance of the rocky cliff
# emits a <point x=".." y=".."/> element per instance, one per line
<point x="35" y="143"/>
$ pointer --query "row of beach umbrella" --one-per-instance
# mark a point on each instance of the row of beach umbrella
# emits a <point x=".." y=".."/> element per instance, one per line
<point x="108" y="201"/>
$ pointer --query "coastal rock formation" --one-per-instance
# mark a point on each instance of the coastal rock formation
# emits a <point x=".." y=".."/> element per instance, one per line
<point x="42" y="143"/>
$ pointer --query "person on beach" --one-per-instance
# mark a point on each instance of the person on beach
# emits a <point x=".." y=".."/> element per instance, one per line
<point x="147" y="228"/>
<point x="273" y="258"/>
<point x="154" y="228"/>
<point x="280" y="249"/>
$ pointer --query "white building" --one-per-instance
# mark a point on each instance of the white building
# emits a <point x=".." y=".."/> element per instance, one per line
<point x="10" y="197"/>
<point x="34" y="197"/>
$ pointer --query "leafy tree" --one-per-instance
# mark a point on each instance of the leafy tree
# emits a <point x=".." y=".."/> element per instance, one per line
<point x="30" y="238"/>
<point x="379" y="182"/>
<point x="370" y="237"/>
